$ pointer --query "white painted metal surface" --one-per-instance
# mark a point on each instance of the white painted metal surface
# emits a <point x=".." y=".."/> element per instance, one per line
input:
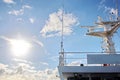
<point x="103" y="58"/>
<point x="89" y="69"/>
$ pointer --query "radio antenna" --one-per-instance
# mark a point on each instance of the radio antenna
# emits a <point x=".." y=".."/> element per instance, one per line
<point x="62" y="31"/>
<point x="61" y="57"/>
<point x="117" y="10"/>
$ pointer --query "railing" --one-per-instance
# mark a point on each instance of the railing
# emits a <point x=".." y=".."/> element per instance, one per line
<point x="77" y="58"/>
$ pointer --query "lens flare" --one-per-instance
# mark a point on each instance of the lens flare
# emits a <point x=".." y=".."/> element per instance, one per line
<point x="20" y="47"/>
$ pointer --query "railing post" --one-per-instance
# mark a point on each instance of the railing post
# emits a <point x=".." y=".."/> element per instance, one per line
<point x="61" y="59"/>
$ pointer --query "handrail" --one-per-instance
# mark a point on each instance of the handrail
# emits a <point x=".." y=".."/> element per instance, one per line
<point x="88" y="52"/>
<point x="77" y="57"/>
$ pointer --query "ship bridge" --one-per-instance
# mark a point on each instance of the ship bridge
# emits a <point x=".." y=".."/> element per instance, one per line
<point x="94" y="65"/>
<point x="89" y="66"/>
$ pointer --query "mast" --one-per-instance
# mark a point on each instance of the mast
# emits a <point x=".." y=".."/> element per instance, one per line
<point x="61" y="57"/>
<point x="109" y="28"/>
<point x="117" y="9"/>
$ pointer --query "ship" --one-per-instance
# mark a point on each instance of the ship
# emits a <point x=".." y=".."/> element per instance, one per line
<point x="96" y="65"/>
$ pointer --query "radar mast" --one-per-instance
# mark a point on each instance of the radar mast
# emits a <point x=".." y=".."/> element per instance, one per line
<point x="108" y="29"/>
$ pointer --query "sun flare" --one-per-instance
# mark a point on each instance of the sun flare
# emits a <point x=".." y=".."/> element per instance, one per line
<point x="20" y="47"/>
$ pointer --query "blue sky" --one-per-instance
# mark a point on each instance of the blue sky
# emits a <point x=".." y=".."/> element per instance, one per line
<point x="39" y="24"/>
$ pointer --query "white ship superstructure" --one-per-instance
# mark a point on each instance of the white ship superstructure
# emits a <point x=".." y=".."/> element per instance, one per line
<point x="94" y="66"/>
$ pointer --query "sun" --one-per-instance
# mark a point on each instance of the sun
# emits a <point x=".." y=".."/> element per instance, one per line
<point x="20" y="47"/>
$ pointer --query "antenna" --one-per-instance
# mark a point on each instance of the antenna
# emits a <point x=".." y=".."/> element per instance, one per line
<point x="62" y="49"/>
<point x="117" y="10"/>
<point x="61" y="57"/>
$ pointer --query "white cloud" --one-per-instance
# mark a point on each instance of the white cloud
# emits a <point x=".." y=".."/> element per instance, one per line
<point x="101" y="4"/>
<point x="108" y="10"/>
<point x="31" y="20"/>
<point x="9" y="1"/>
<point x="53" y="25"/>
<point x="38" y="42"/>
<point x="44" y="63"/>
<point x="20" y="20"/>
<point x="113" y="11"/>
<point x="54" y="58"/>
<point x="5" y="38"/>
<point x="26" y="6"/>
<point x="26" y="66"/>
<point x="33" y="39"/>
<point x="21" y="61"/>
<point x="16" y="12"/>
<point x="20" y="11"/>
<point x="26" y="72"/>
<point x="2" y="66"/>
